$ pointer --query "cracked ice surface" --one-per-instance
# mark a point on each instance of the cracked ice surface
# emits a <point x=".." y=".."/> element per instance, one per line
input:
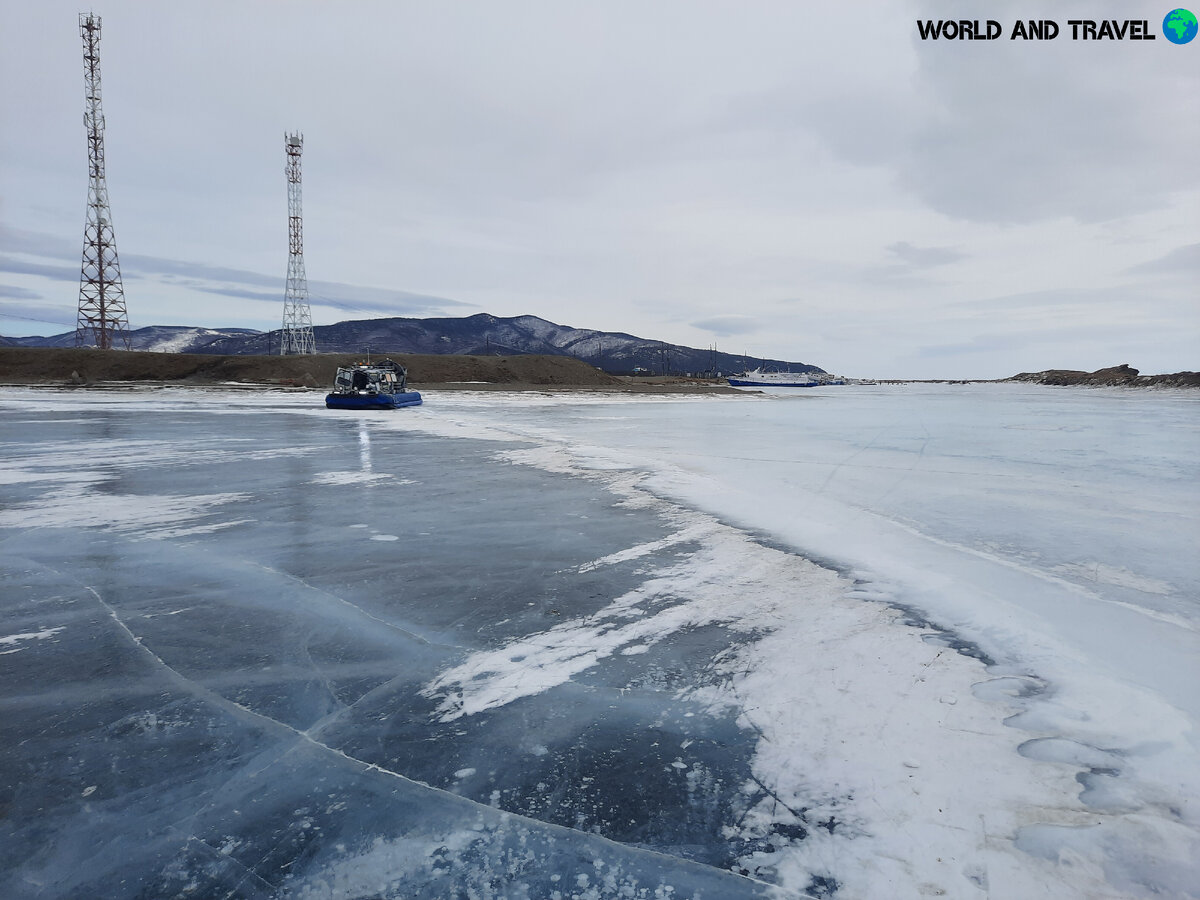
<point x="575" y="646"/>
<point x="221" y="631"/>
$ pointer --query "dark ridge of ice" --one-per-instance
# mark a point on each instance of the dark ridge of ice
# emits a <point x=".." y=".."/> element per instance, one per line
<point x="944" y="637"/>
<point x="823" y="886"/>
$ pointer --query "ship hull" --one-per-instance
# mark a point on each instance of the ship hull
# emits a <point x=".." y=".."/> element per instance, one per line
<point x="751" y="382"/>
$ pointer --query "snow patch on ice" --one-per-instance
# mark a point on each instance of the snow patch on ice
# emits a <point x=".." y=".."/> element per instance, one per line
<point x="149" y="513"/>
<point x="691" y="594"/>
<point x="173" y="612"/>
<point x="642" y="550"/>
<point x="824" y="777"/>
<point x="347" y="478"/>
<point x="27" y="636"/>
<point x="192" y="530"/>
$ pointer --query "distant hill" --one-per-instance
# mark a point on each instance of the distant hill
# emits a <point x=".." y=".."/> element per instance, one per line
<point x="154" y="338"/>
<point x="477" y="335"/>
<point x="1115" y="376"/>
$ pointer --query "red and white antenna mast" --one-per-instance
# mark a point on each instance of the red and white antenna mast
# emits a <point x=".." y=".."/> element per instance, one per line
<point x="103" y="321"/>
<point x="297" y="334"/>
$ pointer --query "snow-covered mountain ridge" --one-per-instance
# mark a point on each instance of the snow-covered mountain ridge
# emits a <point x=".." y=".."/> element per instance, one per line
<point x="478" y="335"/>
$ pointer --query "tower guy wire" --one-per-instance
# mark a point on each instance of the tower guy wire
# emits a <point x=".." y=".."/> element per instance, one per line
<point x="103" y="321"/>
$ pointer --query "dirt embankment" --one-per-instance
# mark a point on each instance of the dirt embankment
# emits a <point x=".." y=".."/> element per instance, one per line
<point x="1114" y="376"/>
<point x="43" y="366"/>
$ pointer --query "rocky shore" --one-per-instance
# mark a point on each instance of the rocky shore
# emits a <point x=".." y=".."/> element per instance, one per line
<point x="1114" y="376"/>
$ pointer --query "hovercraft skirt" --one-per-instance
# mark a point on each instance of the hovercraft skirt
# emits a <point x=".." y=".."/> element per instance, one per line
<point x="373" y="401"/>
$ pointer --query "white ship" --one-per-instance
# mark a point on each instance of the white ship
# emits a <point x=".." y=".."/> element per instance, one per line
<point x="760" y="378"/>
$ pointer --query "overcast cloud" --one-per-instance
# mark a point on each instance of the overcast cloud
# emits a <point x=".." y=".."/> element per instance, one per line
<point x="804" y="181"/>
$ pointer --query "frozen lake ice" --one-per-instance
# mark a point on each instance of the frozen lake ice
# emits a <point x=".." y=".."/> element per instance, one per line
<point x="857" y="641"/>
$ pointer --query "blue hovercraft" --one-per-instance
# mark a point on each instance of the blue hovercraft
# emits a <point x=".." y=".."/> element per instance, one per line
<point x="364" y="386"/>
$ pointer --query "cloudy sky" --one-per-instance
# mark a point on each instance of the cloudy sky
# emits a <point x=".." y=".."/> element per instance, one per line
<point x="787" y="179"/>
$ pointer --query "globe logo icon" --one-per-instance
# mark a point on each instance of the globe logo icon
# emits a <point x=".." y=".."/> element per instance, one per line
<point x="1179" y="26"/>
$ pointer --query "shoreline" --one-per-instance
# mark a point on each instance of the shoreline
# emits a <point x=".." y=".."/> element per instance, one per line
<point x="680" y="387"/>
<point x="626" y="386"/>
<point x="114" y="370"/>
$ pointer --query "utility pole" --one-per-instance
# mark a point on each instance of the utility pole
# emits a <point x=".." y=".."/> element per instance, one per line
<point x="296" y="335"/>
<point x="102" y="318"/>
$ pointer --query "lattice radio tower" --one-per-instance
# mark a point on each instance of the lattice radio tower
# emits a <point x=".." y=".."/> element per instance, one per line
<point x="297" y="334"/>
<point x="102" y="317"/>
